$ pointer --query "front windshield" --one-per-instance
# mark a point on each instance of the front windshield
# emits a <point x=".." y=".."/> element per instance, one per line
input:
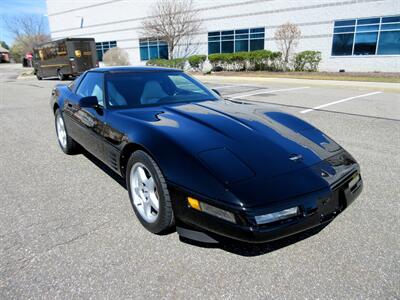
<point x="135" y="89"/>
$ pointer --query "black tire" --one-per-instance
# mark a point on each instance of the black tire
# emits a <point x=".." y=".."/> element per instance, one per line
<point x="70" y="147"/>
<point x="60" y="75"/>
<point x="165" y="221"/>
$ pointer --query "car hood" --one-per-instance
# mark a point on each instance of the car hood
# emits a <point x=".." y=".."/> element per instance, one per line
<point x="236" y="141"/>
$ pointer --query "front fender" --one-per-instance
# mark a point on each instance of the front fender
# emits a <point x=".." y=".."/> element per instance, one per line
<point x="180" y="167"/>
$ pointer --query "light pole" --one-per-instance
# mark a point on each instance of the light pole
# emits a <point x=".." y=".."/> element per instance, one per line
<point x="81" y="26"/>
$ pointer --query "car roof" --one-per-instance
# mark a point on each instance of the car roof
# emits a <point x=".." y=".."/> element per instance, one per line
<point x="134" y="69"/>
<point x="63" y="40"/>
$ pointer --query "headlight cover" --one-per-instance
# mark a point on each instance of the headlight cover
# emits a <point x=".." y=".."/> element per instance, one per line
<point x="276" y="216"/>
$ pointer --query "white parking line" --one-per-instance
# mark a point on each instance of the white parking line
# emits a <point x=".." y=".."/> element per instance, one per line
<point x="338" y="101"/>
<point x="237" y="85"/>
<point x="269" y="92"/>
<point x="222" y="87"/>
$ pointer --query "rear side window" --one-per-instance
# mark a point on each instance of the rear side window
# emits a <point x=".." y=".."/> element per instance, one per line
<point x="92" y="85"/>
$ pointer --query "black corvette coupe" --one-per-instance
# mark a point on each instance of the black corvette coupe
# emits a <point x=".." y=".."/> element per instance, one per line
<point x="204" y="164"/>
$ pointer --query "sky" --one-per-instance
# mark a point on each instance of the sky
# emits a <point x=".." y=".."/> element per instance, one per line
<point x="9" y="8"/>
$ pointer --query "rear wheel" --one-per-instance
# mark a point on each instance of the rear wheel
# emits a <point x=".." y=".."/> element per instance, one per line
<point x="149" y="194"/>
<point x="67" y="144"/>
<point x="38" y="76"/>
<point x="60" y="75"/>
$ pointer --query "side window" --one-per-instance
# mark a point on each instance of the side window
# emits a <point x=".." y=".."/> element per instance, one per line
<point x="92" y="85"/>
<point x="74" y="84"/>
<point x="71" y="86"/>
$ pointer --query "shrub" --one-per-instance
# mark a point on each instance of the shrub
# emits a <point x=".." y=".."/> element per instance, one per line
<point x="224" y="61"/>
<point x="254" y="60"/>
<point x="238" y="60"/>
<point x="307" y="61"/>
<point x="116" y="57"/>
<point x="275" y="61"/>
<point x="265" y="60"/>
<point x="157" y="62"/>
<point x="177" y="63"/>
<point x="259" y="60"/>
<point x="196" y="61"/>
<point x="217" y="59"/>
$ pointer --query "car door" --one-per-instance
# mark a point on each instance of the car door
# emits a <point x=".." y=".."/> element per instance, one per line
<point x="86" y="124"/>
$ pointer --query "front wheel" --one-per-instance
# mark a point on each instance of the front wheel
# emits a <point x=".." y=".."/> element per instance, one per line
<point x="67" y="144"/>
<point x="149" y="194"/>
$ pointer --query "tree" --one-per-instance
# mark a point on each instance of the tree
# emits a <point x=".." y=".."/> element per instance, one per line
<point x="116" y="57"/>
<point x="27" y="31"/>
<point x="17" y="52"/>
<point x="174" y="22"/>
<point x="287" y="37"/>
<point x="4" y="45"/>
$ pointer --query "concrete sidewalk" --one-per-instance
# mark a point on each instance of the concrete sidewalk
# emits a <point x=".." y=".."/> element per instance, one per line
<point x="382" y="86"/>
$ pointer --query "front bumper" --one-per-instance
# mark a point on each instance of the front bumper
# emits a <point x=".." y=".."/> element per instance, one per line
<point x="316" y="208"/>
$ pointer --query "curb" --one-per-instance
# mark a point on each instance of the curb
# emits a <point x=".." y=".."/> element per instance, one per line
<point x="384" y="86"/>
<point x="23" y="77"/>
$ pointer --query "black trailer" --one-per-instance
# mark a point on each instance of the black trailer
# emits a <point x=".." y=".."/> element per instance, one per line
<point x="64" y="58"/>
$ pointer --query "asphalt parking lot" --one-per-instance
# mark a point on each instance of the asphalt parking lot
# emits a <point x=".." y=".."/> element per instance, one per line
<point x="67" y="229"/>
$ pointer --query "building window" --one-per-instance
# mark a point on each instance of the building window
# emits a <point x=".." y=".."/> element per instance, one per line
<point x="239" y="40"/>
<point x="365" y="43"/>
<point x="342" y="44"/>
<point x="369" y="36"/>
<point x="103" y="47"/>
<point x="153" y="48"/>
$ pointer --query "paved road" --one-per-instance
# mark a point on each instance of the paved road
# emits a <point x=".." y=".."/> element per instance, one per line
<point x="67" y="228"/>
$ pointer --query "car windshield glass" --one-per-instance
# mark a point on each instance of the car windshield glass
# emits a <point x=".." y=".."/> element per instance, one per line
<point x="135" y="89"/>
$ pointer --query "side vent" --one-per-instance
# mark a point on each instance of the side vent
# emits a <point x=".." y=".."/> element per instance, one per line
<point x="113" y="160"/>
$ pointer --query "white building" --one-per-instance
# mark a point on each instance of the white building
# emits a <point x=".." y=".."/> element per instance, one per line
<point x="354" y="35"/>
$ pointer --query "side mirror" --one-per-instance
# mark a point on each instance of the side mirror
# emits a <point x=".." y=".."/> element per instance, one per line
<point x="215" y="91"/>
<point x="89" y="101"/>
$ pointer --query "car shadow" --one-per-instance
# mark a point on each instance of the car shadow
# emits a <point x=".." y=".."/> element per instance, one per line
<point x="228" y="245"/>
<point x="256" y="249"/>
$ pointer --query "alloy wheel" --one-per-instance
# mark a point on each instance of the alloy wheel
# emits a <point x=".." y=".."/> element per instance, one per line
<point x="61" y="132"/>
<point x="144" y="192"/>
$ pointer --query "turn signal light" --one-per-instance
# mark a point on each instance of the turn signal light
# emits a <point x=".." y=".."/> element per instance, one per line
<point x="194" y="203"/>
<point x="211" y="210"/>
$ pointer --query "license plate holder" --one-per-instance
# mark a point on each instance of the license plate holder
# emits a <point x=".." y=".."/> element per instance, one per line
<point x="329" y="207"/>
